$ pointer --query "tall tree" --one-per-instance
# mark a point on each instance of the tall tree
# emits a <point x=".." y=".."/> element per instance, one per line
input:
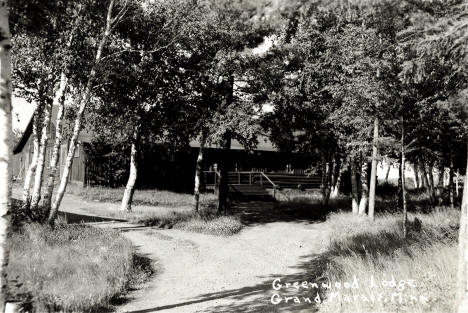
<point x="5" y="145"/>
<point x="112" y="18"/>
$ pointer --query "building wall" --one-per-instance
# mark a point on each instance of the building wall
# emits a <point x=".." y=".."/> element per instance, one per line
<point x="22" y="160"/>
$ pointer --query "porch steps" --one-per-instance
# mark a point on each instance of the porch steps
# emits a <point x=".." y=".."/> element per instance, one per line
<point x="249" y="193"/>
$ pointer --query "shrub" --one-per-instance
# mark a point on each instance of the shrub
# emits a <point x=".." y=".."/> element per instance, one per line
<point x="362" y="248"/>
<point x="71" y="268"/>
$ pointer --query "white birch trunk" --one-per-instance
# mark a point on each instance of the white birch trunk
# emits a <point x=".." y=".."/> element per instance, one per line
<point x="36" y="196"/>
<point x="462" y="279"/>
<point x="59" y="101"/>
<point x="364" y="189"/>
<point x="5" y="146"/>
<point x="79" y="116"/>
<point x="336" y="188"/>
<point x="373" y="181"/>
<point x="198" y="170"/>
<point x="130" y="188"/>
<point x="32" y="167"/>
<point x="354" y="188"/>
<point x="403" y="181"/>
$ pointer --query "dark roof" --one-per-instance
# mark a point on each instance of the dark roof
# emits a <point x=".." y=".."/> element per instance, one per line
<point x="24" y="137"/>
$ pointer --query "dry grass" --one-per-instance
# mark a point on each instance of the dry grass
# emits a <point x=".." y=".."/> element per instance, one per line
<point x="151" y="197"/>
<point x="219" y="226"/>
<point x="167" y="210"/>
<point x="71" y="268"/>
<point x="363" y="249"/>
<point x="208" y="221"/>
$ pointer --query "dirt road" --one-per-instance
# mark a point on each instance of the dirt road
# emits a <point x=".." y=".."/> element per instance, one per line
<point x="203" y="273"/>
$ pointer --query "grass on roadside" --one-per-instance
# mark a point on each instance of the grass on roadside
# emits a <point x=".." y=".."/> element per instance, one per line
<point x="208" y="221"/>
<point x="71" y="268"/>
<point x="363" y="249"/>
<point x="152" y="197"/>
<point x="219" y="225"/>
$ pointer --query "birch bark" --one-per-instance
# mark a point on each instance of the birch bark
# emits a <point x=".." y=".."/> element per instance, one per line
<point x="130" y="188"/>
<point x="462" y="279"/>
<point x="373" y="181"/>
<point x="79" y="116"/>
<point x="198" y="170"/>
<point x="36" y="195"/>
<point x="5" y="145"/>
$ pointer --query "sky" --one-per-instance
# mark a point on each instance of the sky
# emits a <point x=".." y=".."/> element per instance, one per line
<point x="22" y="112"/>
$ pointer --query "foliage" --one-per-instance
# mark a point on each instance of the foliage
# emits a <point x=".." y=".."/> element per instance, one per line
<point x="428" y="257"/>
<point x="70" y="268"/>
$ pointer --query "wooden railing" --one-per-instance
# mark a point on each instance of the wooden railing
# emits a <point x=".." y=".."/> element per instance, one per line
<point x="212" y="178"/>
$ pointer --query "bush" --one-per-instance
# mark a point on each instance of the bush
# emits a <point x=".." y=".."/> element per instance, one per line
<point x="361" y="248"/>
<point x="71" y="268"/>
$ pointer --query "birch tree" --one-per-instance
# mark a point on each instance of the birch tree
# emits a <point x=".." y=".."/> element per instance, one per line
<point x="5" y="146"/>
<point x="111" y="20"/>
<point x="41" y="161"/>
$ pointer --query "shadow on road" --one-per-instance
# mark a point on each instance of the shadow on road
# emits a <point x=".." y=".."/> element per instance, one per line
<point x="254" y="213"/>
<point x="257" y="298"/>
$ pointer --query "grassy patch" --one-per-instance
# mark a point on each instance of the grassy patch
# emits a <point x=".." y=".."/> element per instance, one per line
<point x="71" y="268"/>
<point x="182" y="217"/>
<point x="151" y="197"/>
<point x="363" y="249"/>
<point x="219" y="226"/>
<point x="206" y="222"/>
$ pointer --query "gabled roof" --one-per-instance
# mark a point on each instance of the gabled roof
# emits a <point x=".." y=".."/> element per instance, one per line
<point x="24" y="137"/>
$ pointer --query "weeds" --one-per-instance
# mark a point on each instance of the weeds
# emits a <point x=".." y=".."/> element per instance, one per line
<point x="363" y="249"/>
<point x="71" y="268"/>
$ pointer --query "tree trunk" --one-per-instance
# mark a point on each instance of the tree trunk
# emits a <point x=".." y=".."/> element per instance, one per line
<point x="36" y="196"/>
<point x="79" y="116"/>
<point x="6" y="137"/>
<point x="373" y="180"/>
<point x="431" y="181"/>
<point x="462" y="279"/>
<point x="59" y="101"/>
<point x="336" y="187"/>
<point x="400" y="184"/>
<point x="326" y="180"/>
<point x="33" y="165"/>
<point x="364" y="187"/>
<point x="403" y="181"/>
<point x="429" y="190"/>
<point x="388" y="172"/>
<point x="416" y="176"/>
<point x="354" y="187"/>
<point x="130" y="188"/>
<point x="224" y="181"/>
<point x="451" y="185"/>
<point x="198" y="171"/>
<point x="440" y="184"/>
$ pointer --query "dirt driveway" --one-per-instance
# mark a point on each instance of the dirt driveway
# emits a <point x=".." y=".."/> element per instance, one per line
<point x="203" y="273"/>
